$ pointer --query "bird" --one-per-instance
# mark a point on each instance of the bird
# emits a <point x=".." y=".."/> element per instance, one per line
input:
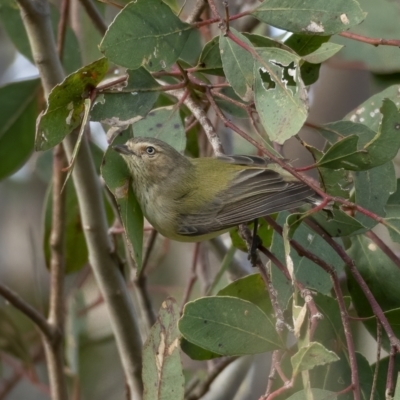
<point x="195" y="199"/>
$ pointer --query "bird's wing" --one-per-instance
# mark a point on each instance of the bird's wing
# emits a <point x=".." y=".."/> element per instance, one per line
<point x="253" y="193"/>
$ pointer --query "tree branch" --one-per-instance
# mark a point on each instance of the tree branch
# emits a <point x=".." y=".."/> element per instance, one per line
<point x="36" y="18"/>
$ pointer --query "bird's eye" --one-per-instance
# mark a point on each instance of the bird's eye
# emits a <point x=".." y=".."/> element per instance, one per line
<point x="150" y="150"/>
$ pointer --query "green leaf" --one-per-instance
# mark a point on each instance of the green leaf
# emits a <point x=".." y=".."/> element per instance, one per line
<point x="162" y="366"/>
<point x="279" y="92"/>
<point x="368" y="113"/>
<point x="145" y="32"/>
<point x="85" y="120"/>
<point x="337" y="376"/>
<point x="18" y="112"/>
<point x="305" y="271"/>
<point x="330" y="330"/>
<point x="123" y="108"/>
<point x="311" y="356"/>
<point x="380" y="274"/>
<point x="140" y="79"/>
<point x="264" y="41"/>
<point x="210" y="58"/>
<point x="310" y="16"/>
<point x="382" y="148"/>
<point x="337" y="223"/>
<point x="192" y="49"/>
<point x="118" y="179"/>
<point x="229" y="326"/>
<point x="165" y="124"/>
<point x="304" y="44"/>
<point x="66" y="104"/>
<point x="326" y="51"/>
<point x="196" y="352"/>
<point x="372" y="191"/>
<point x="251" y="288"/>
<point x="238" y="65"/>
<point x="317" y="394"/>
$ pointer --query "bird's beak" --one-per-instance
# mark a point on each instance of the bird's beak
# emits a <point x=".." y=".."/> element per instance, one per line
<point x="123" y="149"/>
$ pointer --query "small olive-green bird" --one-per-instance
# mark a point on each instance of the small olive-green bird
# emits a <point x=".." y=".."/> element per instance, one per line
<point x="194" y="199"/>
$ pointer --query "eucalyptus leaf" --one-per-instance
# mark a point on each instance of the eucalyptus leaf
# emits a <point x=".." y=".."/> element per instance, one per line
<point x="383" y="147"/>
<point x="66" y="104"/>
<point x="162" y="366"/>
<point x="280" y="93"/>
<point x="229" y="326"/>
<point x="238" y="64"/>
<point x="145" y="33"/>
<point x="310" y="16"/>
<point x="165" y="124"/>
<point x="118" y="179"/>
<point x="311" y="356"/>
<point x="18" y="112"/>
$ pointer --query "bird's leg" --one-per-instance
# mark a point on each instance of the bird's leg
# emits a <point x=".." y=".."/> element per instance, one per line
<point x="256" y="241"/>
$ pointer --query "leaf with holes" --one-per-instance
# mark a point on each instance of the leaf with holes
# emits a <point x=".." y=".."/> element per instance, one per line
<point x="280" y="95"/>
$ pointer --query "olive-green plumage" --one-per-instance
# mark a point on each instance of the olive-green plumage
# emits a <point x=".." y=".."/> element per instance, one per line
<point x="196" y="199"/>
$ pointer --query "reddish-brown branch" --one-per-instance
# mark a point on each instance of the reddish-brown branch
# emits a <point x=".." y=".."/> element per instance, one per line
<point x="372" y="41"/>
<point x="376" y="309"/>
<point x="339" y="295"/>
<point x="288" y="385"/>
<point x="218" y="19"/>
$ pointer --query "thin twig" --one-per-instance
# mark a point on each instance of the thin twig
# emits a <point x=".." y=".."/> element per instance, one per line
<point x="214" y="9"/>
<point x="276" y="354"/>
<point x="196" y="11"/>
<point x="218" y="19"/>
<point x="368" y="40"/>
<point x="339" y="295"/>
<point x="204" y="121"/>
<point x="94" y="14"/>
<point x="20" y="371"/>
<point x="149" y="248"/>
<point x="246" y="235"/>
<point x="315" y="315"/>
<point x="204" y="387"/>
<point x="376" y="309"/>
<point x="37" y="318"/>
<point x="288" y="385"/>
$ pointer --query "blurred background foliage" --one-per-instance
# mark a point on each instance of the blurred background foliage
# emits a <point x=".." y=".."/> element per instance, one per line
<point x="93" y="367"/>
